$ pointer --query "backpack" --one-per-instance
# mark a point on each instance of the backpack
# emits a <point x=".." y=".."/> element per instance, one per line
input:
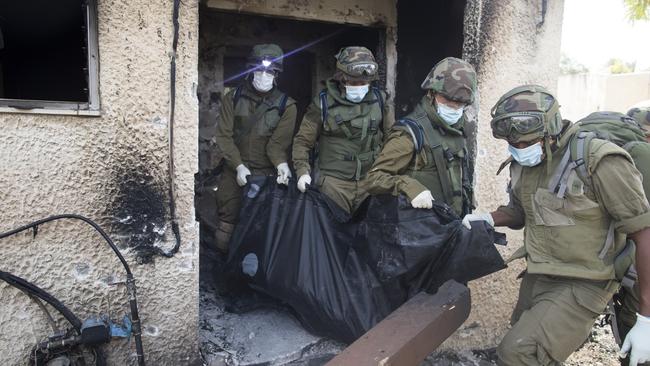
<point x="620" y="130"/>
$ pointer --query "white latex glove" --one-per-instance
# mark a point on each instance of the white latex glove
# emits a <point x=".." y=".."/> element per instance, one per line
<point x="303" y="181"/>
<point x="242" y="173"/>
<point x="284" y="173"/>
<point x="478" y="217"/>
<point x="423" y="200"/>
<point x="638" y="341"/>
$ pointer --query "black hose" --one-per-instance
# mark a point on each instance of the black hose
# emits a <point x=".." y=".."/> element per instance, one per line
<point x="32" y="289"/>
<point x="130" y="281"/>
<point x="172" y="112"/>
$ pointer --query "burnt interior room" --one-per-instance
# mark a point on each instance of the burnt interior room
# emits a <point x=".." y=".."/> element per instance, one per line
<point x="43" y="50"/>
<point x="226" y="38"/>
<point x="427" y="32"/>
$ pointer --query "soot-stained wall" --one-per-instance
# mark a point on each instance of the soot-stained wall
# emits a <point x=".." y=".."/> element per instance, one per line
<point x="114" y="170"/>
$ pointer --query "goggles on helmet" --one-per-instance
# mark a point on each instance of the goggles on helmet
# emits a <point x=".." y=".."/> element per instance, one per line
<point x="513" y="126"/>
<point x="361" y="69"/>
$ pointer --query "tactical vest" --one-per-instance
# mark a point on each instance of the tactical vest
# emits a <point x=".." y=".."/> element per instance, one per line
<point x="439" y="160"/>
<point x="255" y="119"/>
<point x="351" y="136"/>
<point x="567" y="232"/>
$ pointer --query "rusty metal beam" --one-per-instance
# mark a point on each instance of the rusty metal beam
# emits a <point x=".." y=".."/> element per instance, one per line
<point x="412" y="331"/>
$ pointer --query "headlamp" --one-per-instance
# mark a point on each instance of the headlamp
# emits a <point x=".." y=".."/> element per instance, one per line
<point x="266" y="63"/>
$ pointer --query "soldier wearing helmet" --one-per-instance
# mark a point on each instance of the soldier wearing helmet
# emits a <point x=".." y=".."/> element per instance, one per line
<point x="347" y="120"/>
<point x="253" y="133"/>
<point x="577" y="214"/>
<point x="425" y="156"/>
<point x="642" y="117"/>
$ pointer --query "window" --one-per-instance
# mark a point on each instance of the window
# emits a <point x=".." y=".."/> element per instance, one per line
<point x="49" y="56"/>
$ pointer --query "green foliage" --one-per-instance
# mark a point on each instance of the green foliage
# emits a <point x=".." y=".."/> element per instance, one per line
<point x="638" y="9"/>
<point x="618" y="66"/>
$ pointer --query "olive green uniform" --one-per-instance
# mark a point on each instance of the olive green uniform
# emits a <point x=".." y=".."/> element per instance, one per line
<point x="570" y="276"/>
<point x="253" y="133"/>
<point x="349" y="139"/>
<point x="438" y="165"/>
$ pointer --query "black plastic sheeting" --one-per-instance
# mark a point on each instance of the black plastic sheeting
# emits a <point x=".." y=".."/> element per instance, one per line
<point x="343" y="275"/>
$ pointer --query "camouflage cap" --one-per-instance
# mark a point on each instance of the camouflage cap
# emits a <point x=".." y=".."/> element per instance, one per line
<point x="453" y="78"/>
<point x="526" y="113"/>
<point x="641" y="116"/>
<point x="356" y="63"/>
<point x="271" y="52"/>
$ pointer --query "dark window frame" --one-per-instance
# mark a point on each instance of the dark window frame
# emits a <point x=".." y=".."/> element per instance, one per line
<point x="92" y="106"/>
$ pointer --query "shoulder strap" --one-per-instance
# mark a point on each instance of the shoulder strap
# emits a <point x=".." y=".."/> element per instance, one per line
<point x="415" y="130"/>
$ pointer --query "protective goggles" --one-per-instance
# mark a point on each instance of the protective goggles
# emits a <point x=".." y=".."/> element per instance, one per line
<point x="513" y="126"/>
<point x="361" y="69"/>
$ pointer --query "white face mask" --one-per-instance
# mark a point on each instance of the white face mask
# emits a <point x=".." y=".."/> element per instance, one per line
<point x="448" y="114"/>
<point x="263" y="81"/>
<point x="356" y="93"/>
<point x="528" y="156"/>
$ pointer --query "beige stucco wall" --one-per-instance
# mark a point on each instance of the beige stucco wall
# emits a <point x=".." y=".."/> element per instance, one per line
<point x="582" y="94"/>
<point x="66" y="164"/>
<point x="510" y="47"/>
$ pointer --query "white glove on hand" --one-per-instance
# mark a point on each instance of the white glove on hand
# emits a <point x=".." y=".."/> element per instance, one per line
<point x="423" y="200"/>
<point x="284" y="173"/>
<point x="638" y="341"/>
<point x="242" y="173"/>
<point x="477" y="217"/>
<point x="303" y="181"/>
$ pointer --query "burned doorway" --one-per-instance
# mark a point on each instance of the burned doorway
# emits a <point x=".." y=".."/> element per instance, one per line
<point x="226" y="38"/>
<point x="427" y="32"/>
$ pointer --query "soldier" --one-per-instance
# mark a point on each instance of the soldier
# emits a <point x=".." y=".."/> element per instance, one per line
<point x="577" y="215"/>
<point x="348" y="120"/>
<point x="425" y="156"/>
<point x="254" y="134"/>
<point x="642" y="117"/>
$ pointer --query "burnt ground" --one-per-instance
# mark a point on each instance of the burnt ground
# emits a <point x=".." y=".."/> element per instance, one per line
<point x="245" y="328"/>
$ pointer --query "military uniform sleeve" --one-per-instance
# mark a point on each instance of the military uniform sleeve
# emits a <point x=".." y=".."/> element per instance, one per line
<point x="514" y="209"/>
<point x="386" y="174"/>
<point x="277" y="149"/>
<point x="618" y="187"/>
<point x="389" y="119"/>
<point x="305" y="139"/>
<point x="641" y="155"/>
<point x="224" y="133"/>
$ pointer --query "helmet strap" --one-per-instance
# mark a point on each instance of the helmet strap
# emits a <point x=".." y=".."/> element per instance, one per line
<point x="547" y="151"/>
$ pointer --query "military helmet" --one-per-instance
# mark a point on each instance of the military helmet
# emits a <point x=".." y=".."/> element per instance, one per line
<point x="453" y="78"/>
<point x="265" y="57"/>
<point x="641" y="116"/>
<point x="356" y="63"/>
<point x="526" y="113"/>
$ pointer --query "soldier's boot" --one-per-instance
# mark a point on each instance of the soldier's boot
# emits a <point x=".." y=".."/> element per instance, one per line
<point x="222" y="235"/>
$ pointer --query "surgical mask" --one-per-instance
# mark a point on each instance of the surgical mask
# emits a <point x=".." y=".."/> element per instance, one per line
<point x="448" y="114"/>
<point x="263" y="81"/>
<point x="356" y="93"/>
<point x="528" y="156"/>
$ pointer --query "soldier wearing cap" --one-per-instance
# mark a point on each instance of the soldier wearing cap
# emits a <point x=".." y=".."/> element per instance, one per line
<point x="575" y="227"/>
<point x="347" y="120"/>
<point x="425" y="155"/>
<point x="254" y="134"/>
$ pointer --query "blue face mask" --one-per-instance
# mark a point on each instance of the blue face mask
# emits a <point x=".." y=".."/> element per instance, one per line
<point x="448" y="114"/>
<point x="528" y="156"/>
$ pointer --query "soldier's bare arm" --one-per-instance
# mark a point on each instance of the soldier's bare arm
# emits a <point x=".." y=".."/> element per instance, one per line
<point x="305" y="139"/>
<point x="224" y="133"/>
<point x="277" y="149"/>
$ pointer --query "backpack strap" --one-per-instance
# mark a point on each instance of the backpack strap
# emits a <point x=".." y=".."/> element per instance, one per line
<point x="283" y="104"/>
<point x="323" y="105"/>
<point x="415" y="130"/>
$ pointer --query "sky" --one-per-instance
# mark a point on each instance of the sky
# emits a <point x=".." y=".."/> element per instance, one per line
<point x="594" y="31"/>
